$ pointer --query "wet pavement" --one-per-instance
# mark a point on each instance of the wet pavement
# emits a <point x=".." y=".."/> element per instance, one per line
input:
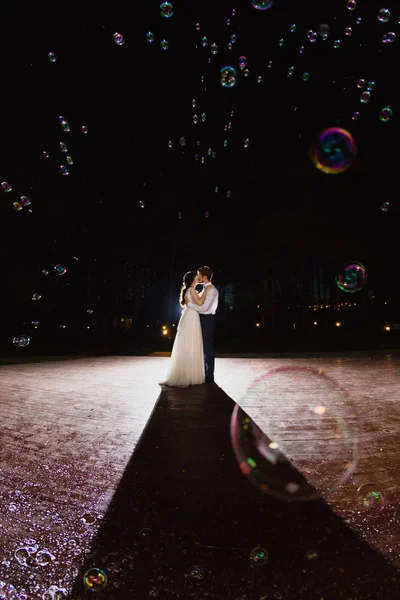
<point x="100" y="470"/>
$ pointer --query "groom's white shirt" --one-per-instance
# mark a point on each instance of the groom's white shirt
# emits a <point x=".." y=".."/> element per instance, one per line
<point x="211" y="302"/>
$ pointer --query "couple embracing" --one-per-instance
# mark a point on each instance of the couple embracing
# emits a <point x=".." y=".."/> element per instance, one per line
<point x="192" y="358"/>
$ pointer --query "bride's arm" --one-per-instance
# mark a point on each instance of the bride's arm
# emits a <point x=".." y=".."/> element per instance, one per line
<point x="196" y="299"/>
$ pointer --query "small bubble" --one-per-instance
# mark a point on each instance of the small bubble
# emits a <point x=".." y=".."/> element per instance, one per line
<point x="258" y="557"/>
<point x="52" y="57"/>
<point x="385" y="114"/>
<point x="365" y="97"/>
<point x="384" y="15"/>
<point x="119" y="39"/>
<point x="6" y="187"/>
<point x="166" y="10"/>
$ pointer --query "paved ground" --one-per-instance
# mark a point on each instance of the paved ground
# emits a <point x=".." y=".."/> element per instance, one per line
<point x="98" y="469"/>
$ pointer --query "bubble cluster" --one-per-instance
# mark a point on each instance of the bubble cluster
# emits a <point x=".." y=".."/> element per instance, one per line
<point x="352" y="278"/>
<point x="333" y="151"/>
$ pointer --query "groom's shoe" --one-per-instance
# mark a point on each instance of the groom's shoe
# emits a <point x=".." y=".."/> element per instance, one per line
<point x="210" y="380"/>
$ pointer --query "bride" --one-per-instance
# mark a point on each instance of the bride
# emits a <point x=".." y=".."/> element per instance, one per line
<point x="187" y="359"/>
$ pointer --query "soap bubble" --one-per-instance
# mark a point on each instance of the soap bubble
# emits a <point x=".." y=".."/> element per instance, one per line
<point x="261" y="4"/>
<point x="214" y="49"/>
<point x="323" y="31"/>
<point x="334" y="150"/>
<point x="63" y="147"/>
<point x="119" y="39"/>
<point x="370" y="496"/>
<point x="84" y="129"/>
<point x="60" y="270"/>
<point x="385" y="206"/>
<point x="65" y="126"/>
<point x="164" y="44"/>
<point x="351" y="4"/>
<point x="283" y="459"/>
<point x="384" y="15"/>
<point x="21" y="341"/>
<point x="348" y="31"/>
<point x="242" y="62"/>
<point x="365" y="97"/>
<point x="52" y="57"/>
<point x="352" y="278"/>
<point x="150" y="36"/>
<point x="95" y="579"/>
<point x="361" y="83"/>
<point x="312" y="36"/>
<point x="6" y="187"/>
<point x="336" y="44"/>
<point x="166" y="10"/>
<point x="385" y="114"/>
<point x="305" y="76"/>
<point x="36" y="296"/>
<point x="258" y="557"/>
<point x="228" y="77"/>
<point x="389" y="38"/>
<point x="25" y="201"/>
<point x="8" y="591"/>
<point x="45" y="154"/>
<point x="64" y="170"/>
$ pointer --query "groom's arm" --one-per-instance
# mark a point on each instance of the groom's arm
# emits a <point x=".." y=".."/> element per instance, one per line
<point x="211" y="295"/>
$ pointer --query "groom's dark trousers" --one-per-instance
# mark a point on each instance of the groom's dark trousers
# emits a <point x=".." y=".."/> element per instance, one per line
<point x="207" y="329"/>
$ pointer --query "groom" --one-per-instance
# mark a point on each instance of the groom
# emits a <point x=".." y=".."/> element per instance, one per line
<point x="207" y="312"/>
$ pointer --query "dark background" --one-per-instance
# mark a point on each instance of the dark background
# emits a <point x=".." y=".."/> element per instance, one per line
<point x="275" y="245"/>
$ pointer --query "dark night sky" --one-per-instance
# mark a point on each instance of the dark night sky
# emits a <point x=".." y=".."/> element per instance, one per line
<point x="136" y="97"/>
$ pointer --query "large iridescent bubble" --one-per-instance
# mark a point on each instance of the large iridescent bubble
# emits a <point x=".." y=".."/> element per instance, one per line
<point x="352" y="278"/>
<point x="305" y="442"/>
<point x="333" y="151"/>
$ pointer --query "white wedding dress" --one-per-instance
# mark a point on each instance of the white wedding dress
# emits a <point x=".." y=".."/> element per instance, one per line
<point x="187" y="359"/>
